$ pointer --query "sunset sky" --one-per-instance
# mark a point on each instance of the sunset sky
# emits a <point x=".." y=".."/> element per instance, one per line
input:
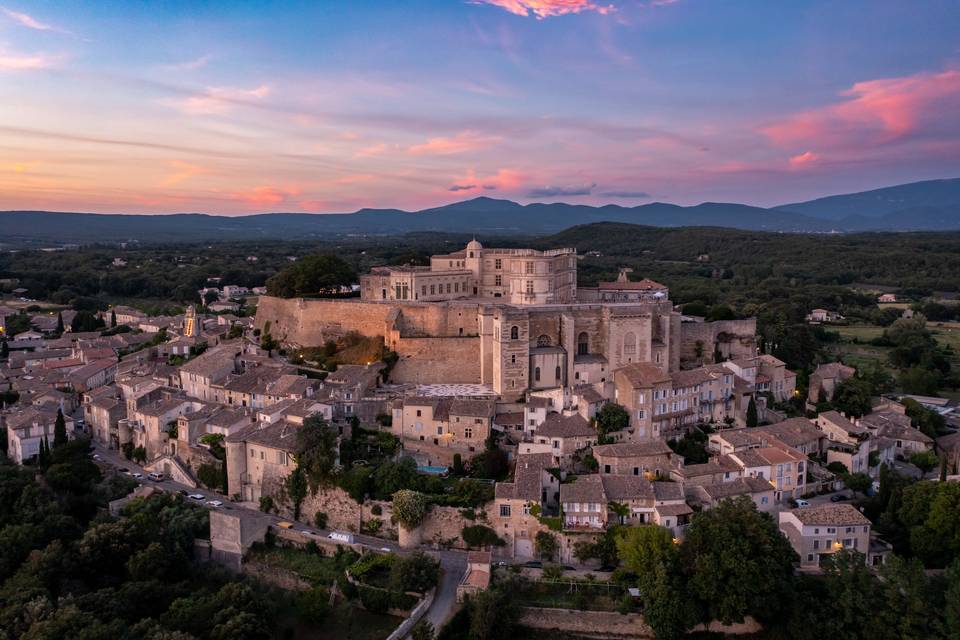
<point x="238" y="107"/>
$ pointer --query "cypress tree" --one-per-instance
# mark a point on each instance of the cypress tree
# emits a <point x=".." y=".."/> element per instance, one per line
<point x="59" y="322"/>
<point x="59" y="430"/>
<point x="113" y="318"/>
<point x="4" y="349"/>
<point x="752" y="413"/>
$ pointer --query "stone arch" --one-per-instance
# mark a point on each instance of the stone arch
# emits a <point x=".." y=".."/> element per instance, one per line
<point x="514" y="332"/>
<point x="629" y="344"/>
<point x="543" y="341"/>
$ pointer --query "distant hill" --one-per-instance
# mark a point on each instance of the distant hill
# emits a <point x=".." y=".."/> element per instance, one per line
<point x="927" y="205"/>
<point x="930" y="205"/>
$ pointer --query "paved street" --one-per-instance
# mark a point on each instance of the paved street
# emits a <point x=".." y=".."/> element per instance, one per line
<point x="453" y="562"/>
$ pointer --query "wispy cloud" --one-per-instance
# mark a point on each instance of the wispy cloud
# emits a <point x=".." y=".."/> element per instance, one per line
<point x="541" y="9"/>
<point x="190" y="65"/>
<point x="220" y="99"/>
<point x="181" y="171"/>
<point x="877" y="112"/>
<point x="20" y="62"/>
<point x="802" y="160"/>
<point x="551" y="192"/>
<point x="462" y="187"/>
<point x="28" y="21"/>
<point x="460" y="143"/>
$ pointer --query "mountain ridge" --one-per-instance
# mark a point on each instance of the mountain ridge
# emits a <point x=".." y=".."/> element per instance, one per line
<point x="920" y="206"/>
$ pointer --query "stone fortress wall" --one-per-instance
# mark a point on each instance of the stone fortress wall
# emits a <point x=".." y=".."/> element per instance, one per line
<point x="469" y="341"/>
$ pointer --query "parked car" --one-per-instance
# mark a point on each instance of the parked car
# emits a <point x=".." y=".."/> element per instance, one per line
<point x="214" y="503"/>
<point x="838" y="497"/>
<point x="285" y="525"/>
<point x="124" y="470"/>
<point x="802" y="503"/>
<point x="533" y="564"/>
<point x="137" y="475"/>
<point x="196" y="496"/>
<point x="156" y="476"/>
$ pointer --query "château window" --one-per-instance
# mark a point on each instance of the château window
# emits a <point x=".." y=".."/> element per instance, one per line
<point x="543" y="341"/>
<point x="498" y="280"/>
<point x="514" y="333"/>
<point x="630" y="344"/>
<point x="529" y="267"/>
<point x="557" y="376"/>
<point x="583" y="344"/>
<point x="530" y="287"/>
<point x="536" y="374"/>
<point x="498" y="264"/>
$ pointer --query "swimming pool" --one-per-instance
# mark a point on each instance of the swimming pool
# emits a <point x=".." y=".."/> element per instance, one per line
<point x="435" y="471"/>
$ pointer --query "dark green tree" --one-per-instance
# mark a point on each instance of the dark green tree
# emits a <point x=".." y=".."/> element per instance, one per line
<point x="59" y="430"/>
<point x="315" y="451"/>
<point x="296" y="486"/>
<point x="852" y="397"/>
<point x="611" y="417"/>
<point x="752" y="419"/>
<point x="737" y="562"/>
<point x="59" y="323"/>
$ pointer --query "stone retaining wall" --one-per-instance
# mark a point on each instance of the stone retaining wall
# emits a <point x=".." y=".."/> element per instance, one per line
<point x="608" y="624"/>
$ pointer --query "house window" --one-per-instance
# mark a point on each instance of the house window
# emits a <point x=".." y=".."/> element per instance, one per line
<point x="423" y="290"/>
<point x="252" y="453"/>
<point x="281" y="457"/>
<point x="419" y="413"/>
<point x="809" y="557"/>
<point x="764" y="500"/>
<point x="557" y="373"/>
<point x="556" y="444"/>
<point x="816" y="544"/>
<point x="514" y="333"/>
<point x="583" y="344"/>
<point x="504" y="511"/>
<point x="468" y="433"/>
<point x="526" y="510"/>
<point x="513" y="359"/>
<point x="536" y="374"/>
<point x="606" y="468"/>
<point x="448" y="287"/>
<point x="433" y="289"/>
<point x="440" y="431"/>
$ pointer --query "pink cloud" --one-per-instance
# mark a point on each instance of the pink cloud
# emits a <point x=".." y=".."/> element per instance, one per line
<point x="471" y="183"/>
<point x="14" y="62"/>
<point x="219" y="99"/>
<point x="260" y="197"/>
<point x="460" y="143"/>
<point x="181" y="171"/>
<point x="805" y="159"/>
<point x="876" y="112"/>
<point x="547" y="8"/>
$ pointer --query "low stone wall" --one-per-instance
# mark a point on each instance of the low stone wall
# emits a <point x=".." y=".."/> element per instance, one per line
<point x="608" y="624"/>
<point x="282" y="578"/>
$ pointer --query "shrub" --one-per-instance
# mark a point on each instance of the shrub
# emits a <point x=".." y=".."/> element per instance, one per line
<point x="320" y="519"/>
<point x="552" y="572"/>
<point x="266" y="504"/>
<point x="416" y="572"/>
<point x="313" y="605"/>
<point x="409" y="508"/>
<point x="372" y="527"/>
<point x="376" y="510"/>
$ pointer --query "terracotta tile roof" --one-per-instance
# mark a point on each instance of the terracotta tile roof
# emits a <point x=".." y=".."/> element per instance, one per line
<point x="690" y="378"/>
<point x="632" y="449"/>
<point x="560" y="426"/>
<point x="841" y="422"/>
<point x="583" y="489"/>
<point x="527" y="478"/>
<point x="793" y="432"/>
<point x="642" y="285"/>
<point x="620" y="488"/>
<point x="643" y="374"/>
<point x="737" y="487"/>
<point x="668" y="490"/>
<point x="673" y="509"/>
<point x="831" y="515"/>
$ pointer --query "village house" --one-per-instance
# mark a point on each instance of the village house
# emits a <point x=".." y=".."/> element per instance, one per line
<point x="822" y="530"/>
<point x="897" y="427"/>
<point x="562" y="436"/>
<point x="199" y="376"/>
<point x="784" y="467"/>
<point x="797" y="433"/>
<point x="433" y="429"/>
<point x="650" y="459"/>
<point x="27" y="428"/>
<point x="259" y="458"/>
<point x="824" y="380"/>
<point x="759" y="490"/>
<point x="533" y="488"/>
<point x="820" y="316"/>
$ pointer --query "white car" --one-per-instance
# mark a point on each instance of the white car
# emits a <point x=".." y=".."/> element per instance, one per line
<point x="802" y="503"/>
<point x="385" y="549"/>
<point x="137" y="475"/>
<point x="214" y="503"/>
<point x="96" y="456"/>
<point x="196" y="496"/>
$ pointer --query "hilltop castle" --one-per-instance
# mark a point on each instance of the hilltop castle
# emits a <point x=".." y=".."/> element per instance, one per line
<point x="512" y="319"/>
